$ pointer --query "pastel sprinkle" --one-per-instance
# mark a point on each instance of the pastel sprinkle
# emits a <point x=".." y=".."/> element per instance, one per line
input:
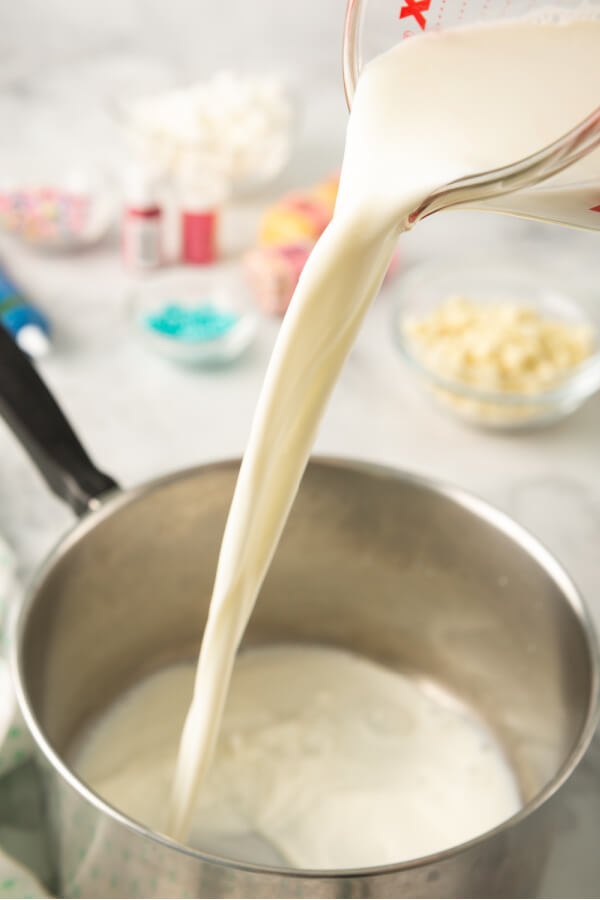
<point x="44" y="214"/>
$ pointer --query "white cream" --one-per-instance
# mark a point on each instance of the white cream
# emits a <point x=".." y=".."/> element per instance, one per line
<point x="329" y="759"/>
<point x="434" y="109"/>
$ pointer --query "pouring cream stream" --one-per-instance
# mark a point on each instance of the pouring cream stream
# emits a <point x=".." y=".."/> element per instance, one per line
<point x="436" y="108"/>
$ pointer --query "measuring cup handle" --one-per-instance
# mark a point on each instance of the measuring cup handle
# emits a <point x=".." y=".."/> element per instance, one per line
<point x="36" y="419"/>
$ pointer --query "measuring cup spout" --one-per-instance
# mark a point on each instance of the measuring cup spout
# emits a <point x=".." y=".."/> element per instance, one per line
<point x="526" y="173"/>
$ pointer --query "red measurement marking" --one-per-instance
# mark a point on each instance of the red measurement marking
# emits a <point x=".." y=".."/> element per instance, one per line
<point x="595" y="209"/>
<point x="415" y="8"/>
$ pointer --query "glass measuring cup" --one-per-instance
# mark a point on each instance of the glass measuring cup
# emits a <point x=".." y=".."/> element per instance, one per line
<point x="373" y="26"/>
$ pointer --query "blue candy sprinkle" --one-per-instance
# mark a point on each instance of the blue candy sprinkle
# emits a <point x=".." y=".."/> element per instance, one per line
<point x="197" y="323"/>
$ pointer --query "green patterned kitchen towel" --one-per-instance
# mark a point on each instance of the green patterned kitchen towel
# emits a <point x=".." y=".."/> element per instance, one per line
<point x="23" y="861"/>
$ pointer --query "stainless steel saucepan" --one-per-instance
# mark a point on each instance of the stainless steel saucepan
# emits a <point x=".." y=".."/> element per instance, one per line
<point x="419" y="576"/>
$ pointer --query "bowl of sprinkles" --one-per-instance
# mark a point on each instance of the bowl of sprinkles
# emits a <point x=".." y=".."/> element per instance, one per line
<point x="61" y="212"/>
<point x="498" y="345"/>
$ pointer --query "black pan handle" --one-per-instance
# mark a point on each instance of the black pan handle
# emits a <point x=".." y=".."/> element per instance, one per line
<point x="36" y="419"/>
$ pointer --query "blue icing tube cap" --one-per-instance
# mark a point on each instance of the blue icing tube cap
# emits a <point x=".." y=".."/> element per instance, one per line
<point x="29" y="328"/>
<point x="197" y="323"/>
<point x="16" y="318"/>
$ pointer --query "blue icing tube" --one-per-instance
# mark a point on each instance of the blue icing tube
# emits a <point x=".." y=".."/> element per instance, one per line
<point x="28" y="326"/>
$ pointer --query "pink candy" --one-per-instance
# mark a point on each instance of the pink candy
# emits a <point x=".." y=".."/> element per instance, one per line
<point x="273" y="274"/>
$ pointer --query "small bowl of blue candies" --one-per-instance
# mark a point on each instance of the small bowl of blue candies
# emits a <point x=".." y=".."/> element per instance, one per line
<point x="192" y="320"/>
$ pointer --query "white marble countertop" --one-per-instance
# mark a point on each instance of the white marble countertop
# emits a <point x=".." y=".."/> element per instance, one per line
<point x="140" y="416"/>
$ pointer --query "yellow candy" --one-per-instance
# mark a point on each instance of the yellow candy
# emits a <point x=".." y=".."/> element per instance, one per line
<point x="300" y="216"/>
<point x="285" y="225"/>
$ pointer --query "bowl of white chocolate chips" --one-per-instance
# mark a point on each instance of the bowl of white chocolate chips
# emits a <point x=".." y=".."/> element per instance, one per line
<point x="498" y="344"/>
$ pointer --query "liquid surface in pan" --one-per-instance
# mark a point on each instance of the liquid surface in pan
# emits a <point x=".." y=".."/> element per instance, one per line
<point x="325" y="760"/>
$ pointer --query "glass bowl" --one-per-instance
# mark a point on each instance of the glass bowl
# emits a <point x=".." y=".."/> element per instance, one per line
<point x="57" y="208"/>
<point x="191" y="319"/>
<point x="239" y="126"/>
<point x="491" y="282"/>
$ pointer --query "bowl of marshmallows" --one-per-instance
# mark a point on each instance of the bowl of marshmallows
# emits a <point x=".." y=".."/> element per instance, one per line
<point x="238" y="127"/>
